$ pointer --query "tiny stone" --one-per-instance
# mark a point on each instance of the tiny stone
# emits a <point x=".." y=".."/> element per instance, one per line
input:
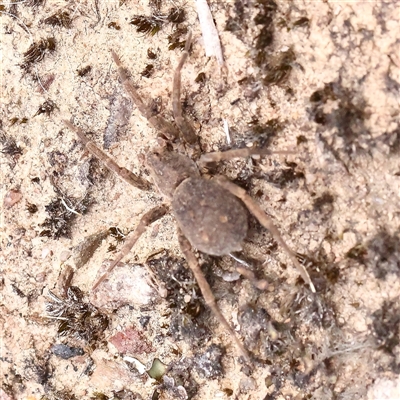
<point x="209" y="364"/>
<point x="46" y="252"/>
<point x="65" y="352"/>
<point x="144" y="320"/>
<point x="247" y="384"/>
<point x="126" y="284"/>
<point x="64" y="256"/>
<point x="12" y="197"/>
<point x="131" y="341"/>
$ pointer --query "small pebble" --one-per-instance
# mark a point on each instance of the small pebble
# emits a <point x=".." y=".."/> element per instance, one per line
<point x="65" y="352"/>
<point x="11" y="198"/>
<point x="126" y="284"/>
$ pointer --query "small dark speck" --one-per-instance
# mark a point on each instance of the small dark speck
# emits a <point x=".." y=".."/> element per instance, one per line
<point x="144" y="320"/>
<point x="18" y="291"/>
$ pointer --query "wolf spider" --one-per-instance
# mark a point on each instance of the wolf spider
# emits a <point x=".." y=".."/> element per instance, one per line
<point x="211" y="214"/>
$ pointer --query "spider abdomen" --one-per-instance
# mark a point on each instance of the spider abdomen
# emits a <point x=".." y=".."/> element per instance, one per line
<point x="213" y="220"/>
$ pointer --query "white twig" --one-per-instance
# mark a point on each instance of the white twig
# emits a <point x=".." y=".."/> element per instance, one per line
<point x="68" y="208"/>
<point x="226" y="129"/>
<point x="240" y="261"/>
<point x="209" y="31"/>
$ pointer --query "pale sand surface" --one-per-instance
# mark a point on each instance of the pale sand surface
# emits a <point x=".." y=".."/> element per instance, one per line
<point x="335" y="199"/>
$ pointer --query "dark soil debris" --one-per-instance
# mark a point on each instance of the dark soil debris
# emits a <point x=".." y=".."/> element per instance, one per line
<point x="152" y="24"/>
<point x="184" y="297"/>
<point x="37" y="52"/>
<point x="46" y="108"/>
<point x="10" y="147"/>
<point x="60" y="18"/>
<point x="209" y="363"/>
<point x="279" y="67"/>
<point x="58" y="224"/>
<point x="65" y="352"/>
<point x="76" y="318"/>
<point x="346" y="119"/>
<point x="181" y="372"/>
<point x="283" y="177"/>
<point x="384" y="254"/>
<point x="84" y="71"/>
<point x="386" y="326"/>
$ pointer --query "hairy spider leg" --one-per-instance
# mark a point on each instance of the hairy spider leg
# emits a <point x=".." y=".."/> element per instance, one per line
<point x="266" y="222"/>
<point x="207" y="292"/>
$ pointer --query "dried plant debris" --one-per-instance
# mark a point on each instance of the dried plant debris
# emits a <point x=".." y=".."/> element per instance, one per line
<point x="46" y="108"/>
<point x="114" y="25"/>
<point x="260" y="134"/>
<point x="148" y="71"/>
<point x="276" y="344"/>
<point x="34" y="3"/>
<point x="323" y="269"/>
<point x="84" y="71"/>
<point x="76" y="318"/>
<point x="119" y="237"/>
<point x="148" y="24"/>
<point x="278" y="67"/>
<point x="21" y="121"/>
<point x="152" y="24"/>
<point x="151" y="54"/>
<point x="324" y="203"/>
<point x="311" y="309"/>
<point x="288" y="175"/>
<point x="45" y="83"/>
<point x="346" y="119"/>
<point x="60" y="18"/>
<point x="265" y="337"/>
<point x="177" y="39"/>
<point x="9" y="146"/>
<point x="62" y="213"/>
<point x="37" y="52"/>
<point x="188" y="321"/>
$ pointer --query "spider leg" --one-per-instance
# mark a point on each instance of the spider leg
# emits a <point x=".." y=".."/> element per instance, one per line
<point x="233" y="153"/>
<point x="265" y="221"/>
<point x="151" y="216"/>
<point x="158" y="122"/>
<point x="188" y="133"/>
<point x="122" y="172"/>
<point x="207" y="292"/>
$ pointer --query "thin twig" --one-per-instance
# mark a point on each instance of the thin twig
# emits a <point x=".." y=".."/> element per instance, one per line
<point x="209" y="31"/>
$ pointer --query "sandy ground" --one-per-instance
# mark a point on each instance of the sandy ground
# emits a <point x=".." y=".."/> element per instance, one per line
<point x="320" y="78"/>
